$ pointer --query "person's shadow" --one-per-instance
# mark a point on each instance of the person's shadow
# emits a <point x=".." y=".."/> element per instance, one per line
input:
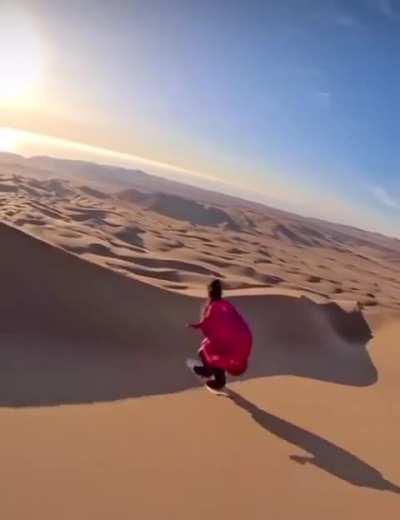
<point x="323" y="453"/>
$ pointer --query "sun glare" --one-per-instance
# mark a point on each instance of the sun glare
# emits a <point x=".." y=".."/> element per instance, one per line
<point x="20" y="58"/>
<point x="8" y="140"/>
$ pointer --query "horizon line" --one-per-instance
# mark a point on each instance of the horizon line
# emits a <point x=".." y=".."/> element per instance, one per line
<point x="219" y="186"/>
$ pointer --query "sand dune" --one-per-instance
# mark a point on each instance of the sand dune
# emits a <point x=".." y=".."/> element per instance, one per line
<point x="107" y="327"/>
<point x="101" y="418"/>
<point x="179" y="208"/>
<point x="177" y="243"/>
<point x="75" y="333"/>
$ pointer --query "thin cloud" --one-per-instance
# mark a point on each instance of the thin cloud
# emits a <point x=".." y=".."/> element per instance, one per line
<point x="324" y="95"/>
<point x="386" y="7"/>
<point x="324" y="98"/>
<point x="347" y="21"/>
<point x="328" y="13"/>
<point x="385" y="198"/>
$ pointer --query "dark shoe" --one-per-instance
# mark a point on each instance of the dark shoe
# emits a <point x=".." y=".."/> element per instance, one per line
<point x="201" y="372"/>
<point x="196" y="368"/>
<point x="214" y="386"/>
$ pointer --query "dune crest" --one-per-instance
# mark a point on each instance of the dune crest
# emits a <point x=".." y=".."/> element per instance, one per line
<point x="68" y="324"/>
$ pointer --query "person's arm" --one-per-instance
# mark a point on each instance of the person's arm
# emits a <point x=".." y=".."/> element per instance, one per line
<point x="195" y="325"/>
<point x="201" y="323"/>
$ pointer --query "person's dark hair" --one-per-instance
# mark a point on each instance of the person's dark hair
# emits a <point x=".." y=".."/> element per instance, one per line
<point x="215" y="290"/>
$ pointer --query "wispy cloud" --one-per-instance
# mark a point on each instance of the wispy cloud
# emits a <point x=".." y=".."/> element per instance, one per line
<point x="323" y="98"/>
<point x="385" y="198"/>
<point x="343" y="17"/>
<point x="325" y="94"/>
<point x="388" y="9"/>
<point x="347" y="21"/>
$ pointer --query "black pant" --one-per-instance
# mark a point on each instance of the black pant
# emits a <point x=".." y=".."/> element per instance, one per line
<point x="208" y="371"/>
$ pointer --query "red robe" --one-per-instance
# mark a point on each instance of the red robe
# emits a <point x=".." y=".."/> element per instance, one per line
<point x="228" y="339"/>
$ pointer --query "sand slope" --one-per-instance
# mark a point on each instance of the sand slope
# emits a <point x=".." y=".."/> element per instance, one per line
<point x="286" y="448"/>
<point x="76" y="332"/>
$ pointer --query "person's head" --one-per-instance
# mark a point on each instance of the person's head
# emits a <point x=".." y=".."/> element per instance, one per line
<point x="215" y="290"/>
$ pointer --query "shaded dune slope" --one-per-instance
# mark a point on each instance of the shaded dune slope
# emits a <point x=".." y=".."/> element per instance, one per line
<point x="179" y="208"/>
<point x="71" y="331"/>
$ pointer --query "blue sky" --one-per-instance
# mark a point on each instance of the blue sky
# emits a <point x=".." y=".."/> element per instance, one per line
<point x="297" y="100"/>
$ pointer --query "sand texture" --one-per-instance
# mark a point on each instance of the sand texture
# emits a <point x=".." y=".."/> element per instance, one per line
<point x="101" y="418"/>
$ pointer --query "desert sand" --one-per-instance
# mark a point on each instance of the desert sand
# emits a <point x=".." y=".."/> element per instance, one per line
<point x="100" y="417"/>
<point x="178" y="241"/>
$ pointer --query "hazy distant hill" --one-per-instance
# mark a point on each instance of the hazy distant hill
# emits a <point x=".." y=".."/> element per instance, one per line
<point x="284" y="225"/>
<point x="115" y="179"/>
<point x="179" y="208"/>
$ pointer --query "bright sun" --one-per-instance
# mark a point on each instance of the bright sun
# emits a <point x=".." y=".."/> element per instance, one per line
<point x="20" y="58"/>
<point x="8" y="140"/>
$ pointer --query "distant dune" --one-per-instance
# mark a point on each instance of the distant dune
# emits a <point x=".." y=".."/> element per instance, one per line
<point x="176" y="242"/>
<point x="179" y="208"/>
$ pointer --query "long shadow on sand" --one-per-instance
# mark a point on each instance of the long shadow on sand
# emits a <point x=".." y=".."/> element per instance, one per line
<point x="296" y="336"/>
<point x="323" y="453"/>
<point x="118" y="356"/>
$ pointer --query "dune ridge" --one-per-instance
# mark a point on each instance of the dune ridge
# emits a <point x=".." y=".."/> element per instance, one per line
<point x="140" y="328"/>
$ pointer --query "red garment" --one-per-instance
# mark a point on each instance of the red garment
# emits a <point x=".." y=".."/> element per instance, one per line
<point x="228" y="340"/>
